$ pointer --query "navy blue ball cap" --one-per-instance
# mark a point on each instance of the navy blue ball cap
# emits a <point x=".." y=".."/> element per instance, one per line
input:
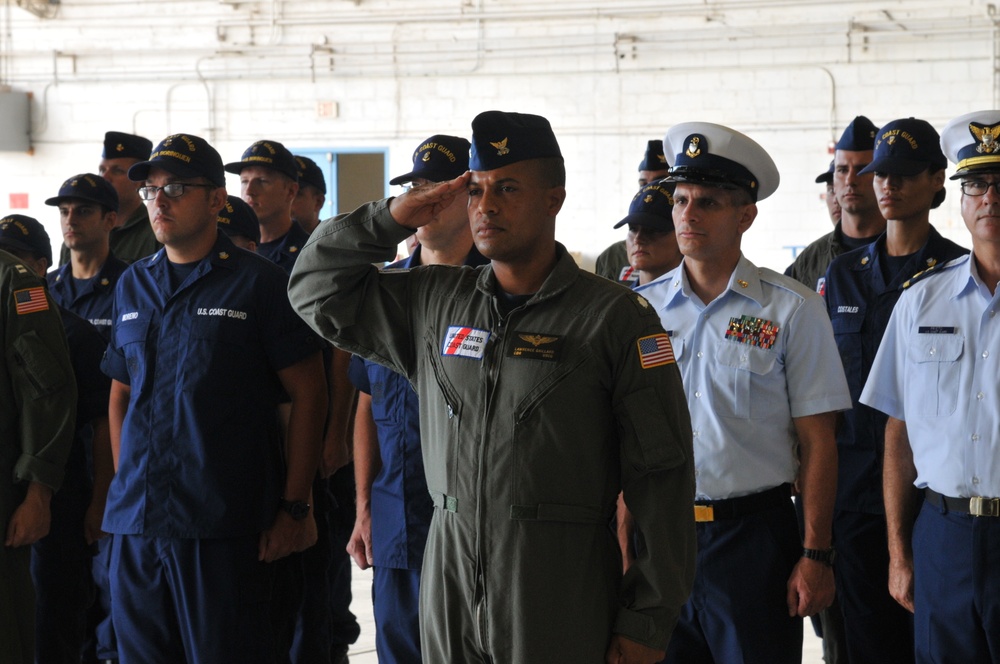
<point x="972" y="142"/>
<point x="652" y="207"/>
<point x="18" y="231"/>
<point x="654" y="159"/>
<point x="87" y="187"/>
<point x="238" y="218"/>
<point x="715" y="155"/>
<point x="183" y="155"/>
<point x="826" y="176"/>
<point x="309" y="173"/>
<point x="907" y="147"/>
<point x="438" y="158"/>
<point x="270" y="154"/>
<point x="119" y="145"/>
<point x="859" y="136"/>
<point x="501" y="138"/>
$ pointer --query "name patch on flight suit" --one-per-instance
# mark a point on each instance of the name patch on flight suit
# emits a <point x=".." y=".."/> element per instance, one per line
<point x="533" y="346"/>
<point x="464" y="341"/>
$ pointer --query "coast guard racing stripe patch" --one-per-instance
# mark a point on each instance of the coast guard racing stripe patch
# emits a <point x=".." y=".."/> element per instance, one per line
<point x="465" y="342"/>
<point x="655" y="350"/>
<point x="29" y="300"/>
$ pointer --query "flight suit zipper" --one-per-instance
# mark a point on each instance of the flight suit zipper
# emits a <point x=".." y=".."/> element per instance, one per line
<point x="493" y="358"/>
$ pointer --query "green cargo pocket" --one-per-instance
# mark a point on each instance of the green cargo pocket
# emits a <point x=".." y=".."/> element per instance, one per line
<point x="37" y="365"/>
<point x="646" y="434"/>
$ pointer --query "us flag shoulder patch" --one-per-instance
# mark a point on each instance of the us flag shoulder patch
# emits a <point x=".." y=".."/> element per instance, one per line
<point x="655" y="350"/>
<point x="30" y="300"/>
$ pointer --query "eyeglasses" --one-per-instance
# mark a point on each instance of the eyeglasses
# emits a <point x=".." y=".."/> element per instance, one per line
<point x="172" y="190"/>
<point x="979" y="187"/>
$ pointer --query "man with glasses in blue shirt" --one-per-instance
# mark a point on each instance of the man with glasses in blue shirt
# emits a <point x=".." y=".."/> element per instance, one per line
<point x="204" y="345"/>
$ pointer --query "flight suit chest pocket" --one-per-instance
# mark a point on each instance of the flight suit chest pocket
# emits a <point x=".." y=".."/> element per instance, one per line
<point x="738" y="367"/>
<point x="934" y="360"/>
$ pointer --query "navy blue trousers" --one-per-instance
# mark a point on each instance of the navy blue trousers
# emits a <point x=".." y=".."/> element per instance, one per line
<point x="956" y="560"/>
<point x="190" y="601"/>
<point x="877" y="628"/>
<point x="396" y="604"/>
<point x="737" y="613"/>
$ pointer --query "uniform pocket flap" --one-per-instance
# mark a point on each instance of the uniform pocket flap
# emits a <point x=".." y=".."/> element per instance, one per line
<point x="936" y="347"/>
<point x="748" y="358"/>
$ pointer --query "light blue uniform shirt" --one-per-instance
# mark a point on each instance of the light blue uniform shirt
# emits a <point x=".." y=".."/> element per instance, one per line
<point x="752" y="359"/>
<point x="937" y="369"/>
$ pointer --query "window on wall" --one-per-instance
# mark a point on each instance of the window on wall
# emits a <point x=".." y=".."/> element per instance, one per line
<point x="352" y="177"/>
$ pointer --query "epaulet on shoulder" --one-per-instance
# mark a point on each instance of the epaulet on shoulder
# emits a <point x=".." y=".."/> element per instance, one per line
<point x="641" y="304"/>
<point x="784" y="282"/>
<point x="933" y="269"/>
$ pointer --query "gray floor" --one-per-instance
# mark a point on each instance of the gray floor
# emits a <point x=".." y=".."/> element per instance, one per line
<point x="363" y="652"/>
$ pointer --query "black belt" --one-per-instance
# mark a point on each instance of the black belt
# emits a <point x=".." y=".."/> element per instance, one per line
<point x="734" y="508"/>
<point x="976" y="506"/>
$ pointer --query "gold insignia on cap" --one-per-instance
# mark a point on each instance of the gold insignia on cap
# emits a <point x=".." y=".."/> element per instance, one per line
<point x="864" y="261"/>
<point x="648" y="198"/>
<point x="105" y="281"/>
<point x="223" y="255"/>
<point x="426" y="157"/>
<point x="986" y="136"/>
<point x="73" y="183"/>
<point x="661" y="158"/>
<point x="501" y="147"/>
<point x="693" y="149"/>
<point x="642" y="301"/>
<point x="891" y="139"/>
<point x="120" y="148"/>
<point x="742" y="283"/>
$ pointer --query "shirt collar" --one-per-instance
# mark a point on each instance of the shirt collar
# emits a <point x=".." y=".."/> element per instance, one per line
<point x="744" y="281"/>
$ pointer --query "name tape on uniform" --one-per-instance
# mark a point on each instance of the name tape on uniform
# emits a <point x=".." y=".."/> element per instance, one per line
<point x="461" y="341"/>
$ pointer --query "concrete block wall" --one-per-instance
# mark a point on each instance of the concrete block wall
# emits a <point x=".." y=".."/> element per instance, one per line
<point x="608" y="75"/>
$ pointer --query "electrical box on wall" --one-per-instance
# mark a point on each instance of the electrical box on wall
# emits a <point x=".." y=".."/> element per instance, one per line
<point x="15" y="118"/>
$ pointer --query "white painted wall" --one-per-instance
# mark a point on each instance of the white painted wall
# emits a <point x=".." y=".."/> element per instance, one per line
<point x="608" y="75"/>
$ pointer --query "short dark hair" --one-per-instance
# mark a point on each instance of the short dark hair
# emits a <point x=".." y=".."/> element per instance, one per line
<point x="550" y="171"/>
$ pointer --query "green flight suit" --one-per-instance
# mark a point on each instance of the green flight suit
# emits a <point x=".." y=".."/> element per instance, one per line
<point x="129" y="242"/>
<point x="37" y="419"/>
<point x="530" y="427"/>
<point x="611" y="261"/>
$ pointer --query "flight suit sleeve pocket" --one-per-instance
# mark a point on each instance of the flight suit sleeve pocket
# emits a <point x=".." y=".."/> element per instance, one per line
<point x="647" y="443"/>
<point x="37" y="365"/>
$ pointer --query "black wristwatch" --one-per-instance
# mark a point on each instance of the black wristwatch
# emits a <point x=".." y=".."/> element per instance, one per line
<point x="298" y="509"/>
<point x="825" y="556"/>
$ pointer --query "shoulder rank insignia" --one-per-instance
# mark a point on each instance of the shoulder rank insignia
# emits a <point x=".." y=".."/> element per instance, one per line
<point x="501" y="147"/>
<point x="864" y="260"/>
<point x="923" y="274"/>
<point x="643" y="302"/>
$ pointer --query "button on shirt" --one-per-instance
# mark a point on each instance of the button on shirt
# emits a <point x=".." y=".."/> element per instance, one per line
<point x="937" y="371"/>
<point x="90" y="299"/>
<point x="752" y="359"/>
<point x="200" y="452"/>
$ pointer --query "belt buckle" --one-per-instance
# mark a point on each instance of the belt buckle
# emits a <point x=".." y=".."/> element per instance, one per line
<point x="703" y="513"/>
<point x="979" y="506"/>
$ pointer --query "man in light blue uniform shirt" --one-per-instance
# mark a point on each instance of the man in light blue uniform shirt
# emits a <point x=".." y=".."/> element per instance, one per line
<point x="935" y="376"/>
<point x="763" y="381"/>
